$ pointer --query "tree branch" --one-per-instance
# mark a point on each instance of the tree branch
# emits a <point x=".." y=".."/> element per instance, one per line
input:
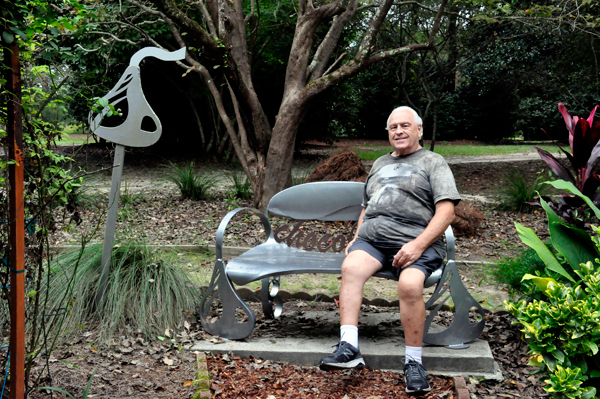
<point x="329" y="43"/>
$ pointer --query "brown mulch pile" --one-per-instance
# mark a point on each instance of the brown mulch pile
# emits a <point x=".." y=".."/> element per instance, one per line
<point x="342" y="166"/>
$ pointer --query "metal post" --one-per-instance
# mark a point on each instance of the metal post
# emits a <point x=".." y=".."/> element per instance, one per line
<point x="111" y="219"/>
<point x="14" y="128"/>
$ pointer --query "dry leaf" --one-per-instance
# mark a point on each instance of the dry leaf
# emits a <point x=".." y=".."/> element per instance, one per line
<point x="168" y="332"/>
<point x="167" y="361"/>
<point x="188" y="383"/>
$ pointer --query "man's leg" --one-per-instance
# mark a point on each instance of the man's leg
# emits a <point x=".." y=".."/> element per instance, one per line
<point x="357" y="268"/>
<point x="412" y="315"/>
<point x="412" y="306"/>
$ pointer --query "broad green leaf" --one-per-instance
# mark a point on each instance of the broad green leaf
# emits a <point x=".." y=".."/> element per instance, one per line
<point x="558" y="355"/>
<point x="8" y="37"/>
<point x="589" y="393"/>
<point x="574" y="244"/>
<point x="593" y="347"/>
<point x="19" y="32"/>
<point x="565" y="185"/>
<point x="540" y="282"/>
<point x="595" y="373"/>
<point x="531" y="239"/>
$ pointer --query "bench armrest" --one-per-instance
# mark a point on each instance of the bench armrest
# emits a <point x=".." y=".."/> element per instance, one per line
<point x="450" y="247"/>
<point x="225" y="222"/>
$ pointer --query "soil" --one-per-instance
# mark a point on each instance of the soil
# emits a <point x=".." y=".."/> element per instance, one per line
<point x="151" y="208"/>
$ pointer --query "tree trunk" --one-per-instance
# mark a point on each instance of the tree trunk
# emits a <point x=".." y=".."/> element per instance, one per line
<point x="435" y="124"/>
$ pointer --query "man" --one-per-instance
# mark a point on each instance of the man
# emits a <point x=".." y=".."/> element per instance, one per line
<point x="408" y="203"/>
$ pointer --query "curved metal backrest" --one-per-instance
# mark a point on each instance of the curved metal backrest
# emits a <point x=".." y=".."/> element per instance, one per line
<point x="450" y="248"/>
<point x="327" y="200"/>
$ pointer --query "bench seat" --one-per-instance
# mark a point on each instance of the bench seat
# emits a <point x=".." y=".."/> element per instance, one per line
<point x="277" y="259"/>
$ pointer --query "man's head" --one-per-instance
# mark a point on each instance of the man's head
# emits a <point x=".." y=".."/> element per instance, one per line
<point x="405" y="128"/>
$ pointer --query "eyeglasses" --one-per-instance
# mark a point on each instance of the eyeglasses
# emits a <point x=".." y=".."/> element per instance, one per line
<point x="403" y="126"/>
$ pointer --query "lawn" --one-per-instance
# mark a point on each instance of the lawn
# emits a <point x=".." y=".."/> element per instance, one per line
<point x="447" y="149"/>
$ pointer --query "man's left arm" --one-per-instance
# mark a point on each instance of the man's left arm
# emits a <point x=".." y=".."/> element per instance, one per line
<point x="411" y="251"/>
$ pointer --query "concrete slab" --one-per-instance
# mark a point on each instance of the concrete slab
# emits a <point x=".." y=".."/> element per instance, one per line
<point x="380" y="352"/>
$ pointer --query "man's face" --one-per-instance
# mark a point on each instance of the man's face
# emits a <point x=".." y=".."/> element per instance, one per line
<point x="404" y="134"/>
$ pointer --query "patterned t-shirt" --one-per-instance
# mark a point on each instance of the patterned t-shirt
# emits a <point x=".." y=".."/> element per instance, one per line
<point x="400" y="197"/>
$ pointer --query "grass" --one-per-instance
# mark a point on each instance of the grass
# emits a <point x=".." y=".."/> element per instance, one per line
<point x="242" y="189"/>
<point x="452" y="150"/>
<point x="193" y="185"/>
<point x="517" y="191"/>
<point x="145" y="291"/>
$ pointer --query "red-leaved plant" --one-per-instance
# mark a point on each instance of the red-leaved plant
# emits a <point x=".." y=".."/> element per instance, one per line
<point x="584" y="140"/>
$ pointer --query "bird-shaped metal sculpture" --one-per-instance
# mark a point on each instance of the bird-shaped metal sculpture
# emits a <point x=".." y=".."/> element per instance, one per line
<point x="128" y="133"/>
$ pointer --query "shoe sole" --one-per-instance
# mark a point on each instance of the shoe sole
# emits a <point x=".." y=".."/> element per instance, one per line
<point x="354" y="364"/>
<point x="417" y="391"/>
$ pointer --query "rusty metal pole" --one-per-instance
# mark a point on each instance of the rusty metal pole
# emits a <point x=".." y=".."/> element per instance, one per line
<point x="14" y="127"/>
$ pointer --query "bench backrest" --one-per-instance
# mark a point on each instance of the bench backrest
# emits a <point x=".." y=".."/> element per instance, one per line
<point x="327" y="201"/>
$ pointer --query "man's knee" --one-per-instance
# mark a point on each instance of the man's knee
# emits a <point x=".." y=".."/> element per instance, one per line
<point x="359" y="265"/>
<point x="410" y="285"/>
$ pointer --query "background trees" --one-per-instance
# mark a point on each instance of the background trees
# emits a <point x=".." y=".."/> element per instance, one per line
<point x="261" y="75"/>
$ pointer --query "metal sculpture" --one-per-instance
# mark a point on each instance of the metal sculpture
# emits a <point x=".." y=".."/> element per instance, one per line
<point x="129" y="133"/>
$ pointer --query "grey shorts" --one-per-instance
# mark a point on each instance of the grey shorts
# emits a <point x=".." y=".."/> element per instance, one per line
<point x="429" y="261"/>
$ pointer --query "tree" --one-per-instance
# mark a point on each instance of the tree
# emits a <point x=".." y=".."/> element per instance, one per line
<point x="221" y="37"/>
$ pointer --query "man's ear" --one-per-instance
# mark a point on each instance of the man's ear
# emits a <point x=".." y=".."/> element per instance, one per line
<point x="420" y="131"/>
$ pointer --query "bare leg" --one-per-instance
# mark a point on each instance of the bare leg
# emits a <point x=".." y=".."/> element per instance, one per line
<point x="412" y="306"/>
<point x="357" y="268"/>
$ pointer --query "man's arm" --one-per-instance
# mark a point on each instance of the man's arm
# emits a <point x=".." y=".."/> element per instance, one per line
<point x="411" y="251"/>
<point x="358" y="223"/>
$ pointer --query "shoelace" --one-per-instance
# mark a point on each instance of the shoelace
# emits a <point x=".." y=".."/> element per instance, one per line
<point x="415" y="370"/>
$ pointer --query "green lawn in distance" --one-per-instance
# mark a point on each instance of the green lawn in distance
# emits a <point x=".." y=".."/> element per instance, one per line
<point x="459" y="150"/>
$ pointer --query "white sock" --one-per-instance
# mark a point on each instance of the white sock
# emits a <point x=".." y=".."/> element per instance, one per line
<point x="413" y="353"/>
<point x="349" y="333"/>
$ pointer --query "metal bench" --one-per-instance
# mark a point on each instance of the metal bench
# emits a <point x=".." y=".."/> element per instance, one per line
<point x="323" y="201"/>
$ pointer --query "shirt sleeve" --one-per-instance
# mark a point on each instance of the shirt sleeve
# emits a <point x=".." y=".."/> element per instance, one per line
<point x="442" y="182"/>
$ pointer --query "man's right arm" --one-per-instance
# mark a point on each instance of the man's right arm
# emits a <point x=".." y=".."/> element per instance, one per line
<point x="358" y="223"/>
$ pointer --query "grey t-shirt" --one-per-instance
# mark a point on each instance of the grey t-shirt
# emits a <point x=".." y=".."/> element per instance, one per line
<point x="400" y="197"/>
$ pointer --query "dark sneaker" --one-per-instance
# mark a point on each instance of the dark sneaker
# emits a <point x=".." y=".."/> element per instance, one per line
<point x="345" y="356"/>
<point x="415" y="377"/>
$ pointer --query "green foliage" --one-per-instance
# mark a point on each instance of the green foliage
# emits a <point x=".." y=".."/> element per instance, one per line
<point x="563" y="330"/>
<point x="564" y="325"/>
<point x="517" y="192"/>
<point x="510" y="271"/>
<point x="144" y="290"/>
<point x="191" y="184"/>
<point x="242" y="189"/>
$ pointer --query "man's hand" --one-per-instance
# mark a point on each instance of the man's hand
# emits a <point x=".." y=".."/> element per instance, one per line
<point x="349" y="245"/>
<point x="408" y="254"/>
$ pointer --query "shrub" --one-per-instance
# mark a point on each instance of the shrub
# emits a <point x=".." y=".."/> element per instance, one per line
<point x="563" y="326"/>
<point x="563" y="330"/>
<point x="192" y="185"/>
<point x="144" y="291"/>
<point x="584" y="140"/>
<point x="510" y="271"/>
<point x="517" y="192"/>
